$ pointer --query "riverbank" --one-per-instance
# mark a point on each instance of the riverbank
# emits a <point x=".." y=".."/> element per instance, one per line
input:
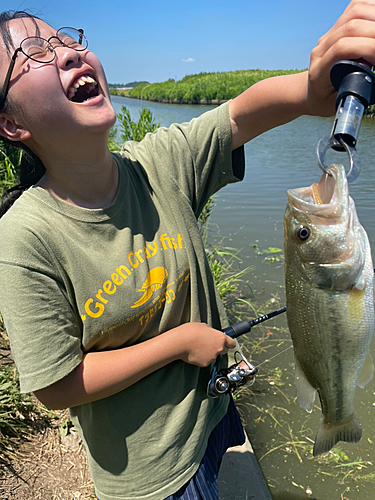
<point x="240" y="477"/>
<point x="369" y="112"/>
<point x="204" y="88"/>
<point x="207" y="102"/>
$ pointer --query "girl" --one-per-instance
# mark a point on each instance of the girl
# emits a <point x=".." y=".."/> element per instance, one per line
<point x="105" y="291"/>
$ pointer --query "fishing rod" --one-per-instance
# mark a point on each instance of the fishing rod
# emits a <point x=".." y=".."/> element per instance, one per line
<point x="226" y="380"/>
<point x="238" y="329"/>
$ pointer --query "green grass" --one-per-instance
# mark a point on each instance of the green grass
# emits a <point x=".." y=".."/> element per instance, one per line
<point x="10" y="159"/>
<point x="204" y="86"/>
<point x="18" y="412"/>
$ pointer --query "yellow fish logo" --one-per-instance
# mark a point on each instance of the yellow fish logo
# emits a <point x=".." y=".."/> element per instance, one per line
<point x="156" y="278"/>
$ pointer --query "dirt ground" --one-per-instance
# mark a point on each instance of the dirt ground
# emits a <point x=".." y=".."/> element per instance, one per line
<point x="47" y="467"/>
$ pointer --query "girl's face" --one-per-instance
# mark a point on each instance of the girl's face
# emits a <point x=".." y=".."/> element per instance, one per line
<point x="65" y="98"/>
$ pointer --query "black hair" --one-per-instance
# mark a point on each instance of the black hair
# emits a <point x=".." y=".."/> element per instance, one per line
<point x="31" y="169"/>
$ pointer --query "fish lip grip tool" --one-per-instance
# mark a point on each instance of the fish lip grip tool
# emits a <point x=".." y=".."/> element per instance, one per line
<point x="226" y="380"/>
<point x="355" y="83"/>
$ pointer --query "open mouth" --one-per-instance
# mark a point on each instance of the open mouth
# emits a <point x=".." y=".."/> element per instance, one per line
<point x="82" y="89"/>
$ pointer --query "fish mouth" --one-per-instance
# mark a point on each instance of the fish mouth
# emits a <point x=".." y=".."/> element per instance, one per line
<point x="325" y="198"/>
<point x="83" y="88"/>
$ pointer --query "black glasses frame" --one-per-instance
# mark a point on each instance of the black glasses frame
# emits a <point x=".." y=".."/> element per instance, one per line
<point x="5" y="89"/>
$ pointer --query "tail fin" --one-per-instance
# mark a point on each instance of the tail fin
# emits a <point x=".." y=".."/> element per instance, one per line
<point x="330" y="434"/>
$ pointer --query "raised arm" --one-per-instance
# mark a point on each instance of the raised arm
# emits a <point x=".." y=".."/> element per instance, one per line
<point x="278" y="100"/>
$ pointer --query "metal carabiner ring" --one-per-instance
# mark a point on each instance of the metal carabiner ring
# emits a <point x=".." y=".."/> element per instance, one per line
<point x="330" y="142"/>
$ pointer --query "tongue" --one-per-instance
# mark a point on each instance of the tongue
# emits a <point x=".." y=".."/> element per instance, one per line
<point x="323" y="190"/>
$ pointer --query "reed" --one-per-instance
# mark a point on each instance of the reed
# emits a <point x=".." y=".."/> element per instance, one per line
<point x="207" y="87"/>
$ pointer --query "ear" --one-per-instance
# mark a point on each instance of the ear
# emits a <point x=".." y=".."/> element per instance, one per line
<point x="12" y="131"/>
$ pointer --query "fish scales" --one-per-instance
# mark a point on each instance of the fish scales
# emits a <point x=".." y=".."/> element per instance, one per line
<point x="330" y="308"/>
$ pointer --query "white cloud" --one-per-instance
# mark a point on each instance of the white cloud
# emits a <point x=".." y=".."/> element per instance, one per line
<point x="188" y="60"/>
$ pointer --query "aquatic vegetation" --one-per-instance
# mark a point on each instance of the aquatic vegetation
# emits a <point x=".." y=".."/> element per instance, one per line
<point x="225" y="265"/>
<point x="271" y="254"/>
<point x="220" y="86"/>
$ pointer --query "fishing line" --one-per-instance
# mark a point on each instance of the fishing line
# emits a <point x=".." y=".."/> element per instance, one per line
<point x="275" y="356"/>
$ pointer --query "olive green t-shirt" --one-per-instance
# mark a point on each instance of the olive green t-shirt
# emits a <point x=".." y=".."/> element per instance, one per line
<point x="76" y="280"/>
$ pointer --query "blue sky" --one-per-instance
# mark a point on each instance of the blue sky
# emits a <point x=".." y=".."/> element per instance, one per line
<point x="157" y="40"/>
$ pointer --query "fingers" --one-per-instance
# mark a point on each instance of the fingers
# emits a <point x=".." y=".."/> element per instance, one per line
<point x="353" y="35"/>
<point x="345" y="49"/>
<point x="199" y="344"/>
<point x="349" y="42"/>
<point x="358" y="9"/>
<point x="363" y="28"/>
<point x="243" y="365"/>
<point x="229" y="343"/>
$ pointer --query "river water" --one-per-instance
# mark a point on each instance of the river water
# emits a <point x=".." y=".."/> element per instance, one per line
<point x="249" y="217"/>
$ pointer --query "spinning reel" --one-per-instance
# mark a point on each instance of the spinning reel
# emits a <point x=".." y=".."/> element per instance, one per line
<point x="227" y="380"/>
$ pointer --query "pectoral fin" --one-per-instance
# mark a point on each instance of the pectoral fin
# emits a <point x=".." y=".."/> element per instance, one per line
<point x="305" y="391"/>
<point x="367" y="371"/>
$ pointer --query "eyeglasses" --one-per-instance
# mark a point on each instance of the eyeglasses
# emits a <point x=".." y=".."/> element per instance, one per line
<point x="43" y="51"/>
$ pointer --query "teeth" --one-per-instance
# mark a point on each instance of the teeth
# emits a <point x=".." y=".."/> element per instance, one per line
<point x="83" y="80"/>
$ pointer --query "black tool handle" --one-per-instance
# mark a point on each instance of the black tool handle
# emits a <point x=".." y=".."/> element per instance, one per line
<point x="354" y="78"/>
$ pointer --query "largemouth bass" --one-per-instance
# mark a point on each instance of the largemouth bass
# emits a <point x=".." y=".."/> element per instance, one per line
<point x="329" y="281"/>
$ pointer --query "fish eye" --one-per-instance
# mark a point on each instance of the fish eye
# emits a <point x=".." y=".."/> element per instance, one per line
<point x="303" y="233"/>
